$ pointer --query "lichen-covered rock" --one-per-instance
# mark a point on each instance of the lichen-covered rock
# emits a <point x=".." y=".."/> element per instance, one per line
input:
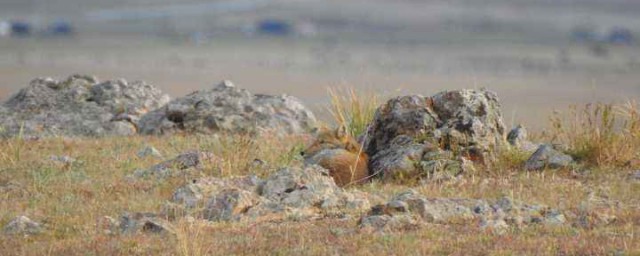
<point x="202" y="190"/>
<point x="78" y="106"/>
<point x="299" y="193"/>
<point x="493" y="214"/>
<point x="518" y="138"/>
<point x="472" y="120"/>
<point x="416" y="135"/>
<point x="547" y="157"/>
<point x="228" y="109"/>
<point x="22" y="225"/>
<point x="230" y="204"/>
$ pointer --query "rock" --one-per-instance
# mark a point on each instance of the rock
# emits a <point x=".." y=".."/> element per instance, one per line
<point x="518" y="138"/>
<point x="78" y="106"/>
<point x="143" y="222"/>
<point x="63" y="160"/>
<point x="289" y="193"/>
<point x="228" y="109"/>
<point x="194" y="160"/>
<point x="134" y="99"/>
<point x="416" y="135"/>
<point x="230" y="204"/>
<point x="547" y="157"/>
<point x="300" y="188"/>
<point x="472" y="121"/>
<point x="202" y="190"/>
<point x="495" y="215"/>
<point x="402" y="161"/>
<point x="495" y="226"/>
<point x="398" y="161"/>
<point x="149" y="151"/>
<point x="22" y="225"/>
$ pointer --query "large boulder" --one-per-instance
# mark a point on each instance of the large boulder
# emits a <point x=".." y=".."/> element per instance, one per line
<point x="228" y="109"/>
<point x="416" y="135"/>
<point x="78" y="106"/>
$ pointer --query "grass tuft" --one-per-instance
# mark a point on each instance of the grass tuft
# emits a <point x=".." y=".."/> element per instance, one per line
<point x="352" y="109"/>
<point x="599" y="134"/>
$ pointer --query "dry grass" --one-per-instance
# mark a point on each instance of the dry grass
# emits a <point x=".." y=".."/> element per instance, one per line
<point x="71" y="200"/>
<point x="603" y="135"/>
<point x="352" y="109"/>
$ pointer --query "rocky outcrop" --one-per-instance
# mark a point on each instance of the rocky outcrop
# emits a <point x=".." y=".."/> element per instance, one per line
<point x="228" y="109"/>
<point x="298" y="193"/>
<point x="78" y="106"/>
<point x="419" y="136"/>
<point x="410" y="209"/>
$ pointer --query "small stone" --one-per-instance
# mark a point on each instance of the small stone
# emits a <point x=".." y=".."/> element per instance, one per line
<point x="144" y="222"/>
<point x="495" y="226"/>
<point x="22" y="225"/>
<point x="64" y="160"/>
<point x="547" y="157"/>
<point x="149" y="151"/>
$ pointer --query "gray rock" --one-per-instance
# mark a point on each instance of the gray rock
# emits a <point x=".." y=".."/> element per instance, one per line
<point x="496" y="215"/>
<point x="472" y="121"/>
<point x="230" y="204"/>
<point x="289" y="193"/>
<point x="226" y="108"/>
<point x="130" y="223"/>
<point x="518" y="138"/>
<point x="398" y="161"/>
<point x="22" y="225"/>
<point x="149" y="151"/>
<point x="422" y="136"/>
<point x="547" y="157"/>
<point x="636" y="175"/>
<point x="63" y="160"/>
<point x="78" y="106"/>
<point x="202" y="190"/>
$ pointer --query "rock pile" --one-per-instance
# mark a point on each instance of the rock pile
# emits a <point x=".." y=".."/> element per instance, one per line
<point x="229" y="109"/>
<point x="298" y="193"/>
<point x="410" y="210"/>
<point x="416" y="136"/>
<point x="78" y="106"/>
<point x="83" y="106"/>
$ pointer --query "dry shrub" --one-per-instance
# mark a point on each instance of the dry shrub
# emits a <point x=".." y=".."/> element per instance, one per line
<point x="599" y="134"/>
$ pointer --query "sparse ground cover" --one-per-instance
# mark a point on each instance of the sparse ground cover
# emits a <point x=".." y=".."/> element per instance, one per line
<point x="71" y="198"/>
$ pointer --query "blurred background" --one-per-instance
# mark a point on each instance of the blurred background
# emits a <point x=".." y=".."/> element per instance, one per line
<point x="538" y="55"/>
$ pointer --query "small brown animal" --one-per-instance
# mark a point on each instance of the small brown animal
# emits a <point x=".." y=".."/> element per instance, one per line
<point x="341" y="154"/>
